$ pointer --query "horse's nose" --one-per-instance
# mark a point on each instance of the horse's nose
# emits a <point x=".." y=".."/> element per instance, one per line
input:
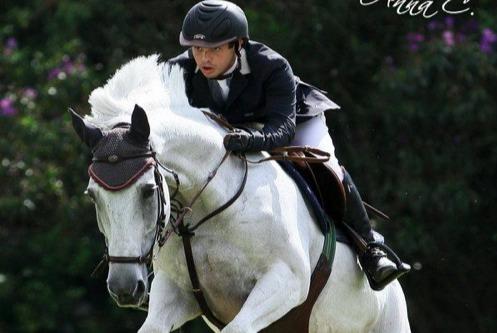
<point x="126" y="289"/>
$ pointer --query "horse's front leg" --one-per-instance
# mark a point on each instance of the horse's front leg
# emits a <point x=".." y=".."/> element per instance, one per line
<point x="274" y="294"/>
<point x="169" y="306"/>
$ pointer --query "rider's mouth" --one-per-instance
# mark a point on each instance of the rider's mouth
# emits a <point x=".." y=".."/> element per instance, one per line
<point x="207" y="69"/>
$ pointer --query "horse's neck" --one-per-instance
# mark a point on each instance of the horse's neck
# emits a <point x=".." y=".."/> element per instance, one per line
<point x="193" y="148"/>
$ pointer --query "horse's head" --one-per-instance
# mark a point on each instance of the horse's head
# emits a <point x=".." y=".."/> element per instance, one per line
<point x="130" y="200"/>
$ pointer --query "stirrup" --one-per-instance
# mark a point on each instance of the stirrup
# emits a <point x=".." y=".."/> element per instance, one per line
<point x="402" y="268"/>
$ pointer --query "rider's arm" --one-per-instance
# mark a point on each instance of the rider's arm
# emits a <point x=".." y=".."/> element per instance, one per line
<point x="279" y="128"/>
<point x="279" y="124"/>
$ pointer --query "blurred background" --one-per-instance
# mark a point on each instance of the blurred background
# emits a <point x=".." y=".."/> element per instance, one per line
<point x="417" y="130"/>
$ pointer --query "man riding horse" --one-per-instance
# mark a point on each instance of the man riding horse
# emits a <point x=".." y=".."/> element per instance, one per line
<point x="247" y="82"/>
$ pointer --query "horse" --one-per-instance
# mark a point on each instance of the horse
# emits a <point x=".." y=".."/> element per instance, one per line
<point x="254" y="260"/>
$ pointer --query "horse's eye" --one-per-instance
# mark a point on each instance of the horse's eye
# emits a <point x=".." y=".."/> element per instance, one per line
<point x="91" y="194"/>
<point x="149" y="191"/>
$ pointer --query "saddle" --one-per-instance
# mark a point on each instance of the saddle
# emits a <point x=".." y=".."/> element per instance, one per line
<point x="326" y="187"/>
<point x="324" y="192"/>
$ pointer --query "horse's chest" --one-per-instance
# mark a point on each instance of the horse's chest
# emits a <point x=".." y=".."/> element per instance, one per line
<point x="227" y="275"/>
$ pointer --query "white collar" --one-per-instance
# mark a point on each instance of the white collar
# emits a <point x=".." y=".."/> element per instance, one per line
<point x="244" y="65"/>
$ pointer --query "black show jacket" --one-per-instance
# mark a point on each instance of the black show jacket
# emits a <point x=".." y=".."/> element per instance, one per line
<point x="265" y="94"/>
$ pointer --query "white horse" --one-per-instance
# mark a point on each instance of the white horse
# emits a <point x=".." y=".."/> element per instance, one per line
<point x="255" y="259"/>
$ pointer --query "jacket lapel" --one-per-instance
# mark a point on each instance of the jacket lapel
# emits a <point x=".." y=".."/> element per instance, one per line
<point x="237" y="84"/>
<point x="202" y="91"/>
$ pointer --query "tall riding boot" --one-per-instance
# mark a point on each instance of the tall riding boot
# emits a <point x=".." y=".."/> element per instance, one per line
<point x="379" y="269"/>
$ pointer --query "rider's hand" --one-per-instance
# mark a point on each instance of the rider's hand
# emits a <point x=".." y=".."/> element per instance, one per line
<point x="238" y="141"/>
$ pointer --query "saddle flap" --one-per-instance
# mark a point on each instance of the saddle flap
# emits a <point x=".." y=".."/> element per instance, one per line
<point x="327" y="187"/>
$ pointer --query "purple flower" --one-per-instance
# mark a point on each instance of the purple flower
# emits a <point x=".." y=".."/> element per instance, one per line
<point x="10" y="45"/>
<point x="433" y="25"/>
<point x="6" y="107"/>
<point x="489" y="36"/>
<point x="30" y="93"/>
<point x="69" y="67"/>
<point x="448" y="37"/>
<point x="54" y="72"/>
<point x="414" y="39"/>
<point x="449" y="22"/>
<point x="488" y="39"/>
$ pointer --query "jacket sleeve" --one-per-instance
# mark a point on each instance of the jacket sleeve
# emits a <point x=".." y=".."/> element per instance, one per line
<point x="279" y="127"/>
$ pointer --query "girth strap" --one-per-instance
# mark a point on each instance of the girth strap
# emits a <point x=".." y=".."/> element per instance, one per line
<point x="197" y="290"/>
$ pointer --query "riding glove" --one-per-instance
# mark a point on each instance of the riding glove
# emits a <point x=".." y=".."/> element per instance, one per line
<point x="273" y="134"/>
<point x="238" y="141"/>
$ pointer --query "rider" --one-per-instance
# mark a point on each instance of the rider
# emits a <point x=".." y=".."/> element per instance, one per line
<point x="247" y="82"/>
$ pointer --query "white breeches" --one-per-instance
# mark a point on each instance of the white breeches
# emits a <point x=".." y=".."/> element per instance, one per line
<point x="314" y="133"/>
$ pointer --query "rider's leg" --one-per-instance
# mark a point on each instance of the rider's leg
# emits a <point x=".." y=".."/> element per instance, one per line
<point x="379" y="269"/>
<point x="314" y="133"/>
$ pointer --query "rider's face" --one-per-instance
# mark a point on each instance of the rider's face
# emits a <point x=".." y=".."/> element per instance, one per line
<point x="214" y="61"/>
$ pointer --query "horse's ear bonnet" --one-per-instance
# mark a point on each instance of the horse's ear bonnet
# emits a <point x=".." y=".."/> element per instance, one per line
<point x="119" y="159"/>
<point x="88" y="133"/>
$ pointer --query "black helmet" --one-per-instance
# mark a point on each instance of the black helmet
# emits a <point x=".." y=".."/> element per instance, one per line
<point x="212" y="23"/>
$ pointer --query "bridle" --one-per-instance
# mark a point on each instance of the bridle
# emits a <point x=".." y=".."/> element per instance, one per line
<point x="176" y="224"/>
<point x="161" y="214"/>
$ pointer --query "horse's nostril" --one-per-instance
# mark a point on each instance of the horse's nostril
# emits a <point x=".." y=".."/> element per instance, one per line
<point x="140" y="288"/>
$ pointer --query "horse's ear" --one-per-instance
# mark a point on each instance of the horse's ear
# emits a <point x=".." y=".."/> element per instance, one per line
<point x="140" y="129"/>
<point x="88" y="133"/>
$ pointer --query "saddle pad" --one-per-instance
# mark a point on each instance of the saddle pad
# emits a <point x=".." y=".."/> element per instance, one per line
<point x="321" y="217"/>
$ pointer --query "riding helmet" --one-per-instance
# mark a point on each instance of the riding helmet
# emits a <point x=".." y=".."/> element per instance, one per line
<point x="213" y="23"/>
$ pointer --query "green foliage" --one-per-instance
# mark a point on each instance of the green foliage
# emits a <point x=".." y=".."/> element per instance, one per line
<point x="417" y="133"/>
<point x="438" y="150"/>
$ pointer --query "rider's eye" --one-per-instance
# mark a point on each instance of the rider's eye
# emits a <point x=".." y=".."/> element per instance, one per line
<point x="149" y="190"/>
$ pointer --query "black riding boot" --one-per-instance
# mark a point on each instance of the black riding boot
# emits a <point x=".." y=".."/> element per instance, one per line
<point x="379" y="269"/>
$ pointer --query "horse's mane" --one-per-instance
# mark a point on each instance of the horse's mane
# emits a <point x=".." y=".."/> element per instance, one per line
<point x="143" y="81"/>
<point x="159" y="88"/>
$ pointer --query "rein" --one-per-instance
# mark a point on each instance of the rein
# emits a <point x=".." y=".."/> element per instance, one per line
<point x="178" y="225"/>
